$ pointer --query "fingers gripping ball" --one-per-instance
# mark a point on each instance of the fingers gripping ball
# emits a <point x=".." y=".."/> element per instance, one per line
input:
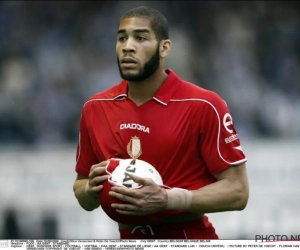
<point x="118" y="176"/>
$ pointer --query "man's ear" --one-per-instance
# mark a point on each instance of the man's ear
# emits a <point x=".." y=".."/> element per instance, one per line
<point x="165" y="48"/>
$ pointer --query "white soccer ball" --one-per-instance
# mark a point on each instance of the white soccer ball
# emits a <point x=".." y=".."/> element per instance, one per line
<point x="119" y="176"/>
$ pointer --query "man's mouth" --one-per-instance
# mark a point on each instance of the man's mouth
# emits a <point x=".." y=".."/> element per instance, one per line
<point x="128" y="62"/>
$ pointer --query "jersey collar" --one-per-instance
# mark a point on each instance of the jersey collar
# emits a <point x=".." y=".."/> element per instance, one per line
<point x="169" y="87"/>
<point x="163" y="95"/>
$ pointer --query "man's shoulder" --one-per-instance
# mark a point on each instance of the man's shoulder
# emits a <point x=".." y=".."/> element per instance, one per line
<point x="109" y="94"/>
<point x="191" y="92"/>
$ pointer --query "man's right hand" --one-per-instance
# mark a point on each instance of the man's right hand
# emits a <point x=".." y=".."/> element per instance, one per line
<point x="96" y="178"/>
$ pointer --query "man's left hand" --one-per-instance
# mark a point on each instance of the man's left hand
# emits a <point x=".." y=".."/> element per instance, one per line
<point x="148" y="199"/>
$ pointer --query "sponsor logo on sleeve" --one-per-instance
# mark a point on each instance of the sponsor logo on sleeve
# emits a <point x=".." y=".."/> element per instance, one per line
<point x="227" y="121"/>
<point x="228" y="125"/>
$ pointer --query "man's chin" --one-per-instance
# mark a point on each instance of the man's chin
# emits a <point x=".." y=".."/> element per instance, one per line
<point x="131" y="77"/>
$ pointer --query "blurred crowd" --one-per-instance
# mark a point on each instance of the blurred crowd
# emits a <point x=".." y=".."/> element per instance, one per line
<point x="54" y="55"/>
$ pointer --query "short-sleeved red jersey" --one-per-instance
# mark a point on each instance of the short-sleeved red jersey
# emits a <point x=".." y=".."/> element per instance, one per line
<point x="185" y="132"/>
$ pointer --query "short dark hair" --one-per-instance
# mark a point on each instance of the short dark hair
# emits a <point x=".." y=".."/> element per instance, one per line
<point x="158" y="21"/>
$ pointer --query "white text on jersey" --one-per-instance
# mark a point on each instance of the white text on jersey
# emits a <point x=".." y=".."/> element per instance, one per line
<point x="135" y="126"/>
<point x="231" y="138"/>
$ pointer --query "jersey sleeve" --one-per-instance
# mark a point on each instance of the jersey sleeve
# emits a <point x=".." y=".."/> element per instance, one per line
<point x="220" y="145"/>
<point x="85" y="156"/>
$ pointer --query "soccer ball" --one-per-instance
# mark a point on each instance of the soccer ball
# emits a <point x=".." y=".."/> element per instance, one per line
<point x="118" y="170"/>
<point x="119" y="175"/>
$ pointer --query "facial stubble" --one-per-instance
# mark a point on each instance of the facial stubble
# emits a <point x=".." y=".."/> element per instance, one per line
<point x="145" y="72"/>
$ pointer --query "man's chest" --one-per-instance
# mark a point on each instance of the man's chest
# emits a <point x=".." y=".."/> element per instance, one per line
<point x="154" y="131"/>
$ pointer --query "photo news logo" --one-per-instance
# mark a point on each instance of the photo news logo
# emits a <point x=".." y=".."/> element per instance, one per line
<point x="276" y="237"/>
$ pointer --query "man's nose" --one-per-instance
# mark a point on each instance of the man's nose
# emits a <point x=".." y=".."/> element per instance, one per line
<point x="128" y="46"/>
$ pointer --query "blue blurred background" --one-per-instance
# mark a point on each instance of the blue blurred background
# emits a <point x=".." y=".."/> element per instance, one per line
<point x="54" y="55"/>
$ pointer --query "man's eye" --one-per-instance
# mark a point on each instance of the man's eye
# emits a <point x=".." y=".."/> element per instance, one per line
<point x="140" y="38"/>
<point x="121" y="39"/>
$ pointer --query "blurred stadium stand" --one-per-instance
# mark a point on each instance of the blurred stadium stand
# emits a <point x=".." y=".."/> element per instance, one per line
<point x="54" y="55"/>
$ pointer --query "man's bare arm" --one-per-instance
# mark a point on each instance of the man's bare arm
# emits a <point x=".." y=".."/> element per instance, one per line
<point x="229" y="193"/>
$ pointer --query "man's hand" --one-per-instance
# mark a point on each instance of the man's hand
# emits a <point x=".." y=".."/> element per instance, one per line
<point x="87" y="188"/>
<point x="96" y="177"/>
<point x="148" y="199"/>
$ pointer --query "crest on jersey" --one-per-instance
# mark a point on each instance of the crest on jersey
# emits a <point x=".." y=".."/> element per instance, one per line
<point x="134" y="148"/>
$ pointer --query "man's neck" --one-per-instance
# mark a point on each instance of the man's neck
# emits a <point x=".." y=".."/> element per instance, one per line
<point x="141" y="92"/>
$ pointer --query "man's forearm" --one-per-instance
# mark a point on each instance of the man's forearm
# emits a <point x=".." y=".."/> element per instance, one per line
<point x="220" y="196"/>
<point x="86" y="201"/>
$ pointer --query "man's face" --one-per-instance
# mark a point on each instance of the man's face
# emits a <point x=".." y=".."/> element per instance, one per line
<point x="137" y="49"/>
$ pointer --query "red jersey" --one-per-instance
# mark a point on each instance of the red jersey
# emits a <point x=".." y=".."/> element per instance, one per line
<point x="184" y="131"/>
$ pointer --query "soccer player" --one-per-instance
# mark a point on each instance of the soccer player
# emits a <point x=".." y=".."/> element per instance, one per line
<point x="184" y="131"/>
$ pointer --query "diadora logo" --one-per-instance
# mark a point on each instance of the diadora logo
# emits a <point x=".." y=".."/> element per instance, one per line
<point x="134" y="126"/>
